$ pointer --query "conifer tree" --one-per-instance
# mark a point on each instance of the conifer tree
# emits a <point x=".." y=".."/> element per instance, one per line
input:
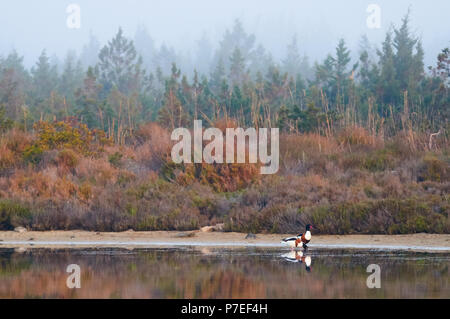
<point x="14" y="85"/>
<point x="45" y="77"/>
<point x="119" y="65"/>
<point x="292" y="62"/>
<point x="89" y="106"/>
<point x="237" y="68"/>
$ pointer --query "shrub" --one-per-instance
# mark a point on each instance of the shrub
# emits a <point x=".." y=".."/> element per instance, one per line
<point x="96" y="171"/>
<point x="17" y="141"/>
<point x="379" y="160"/>
<point x="13" y="214"/>
<point x="85" y="191"/>
<point x="33" y="154"/>
<point x="388" y="216"/>
<point x="221" y="177"/>
<point x="69" y="135"/>
<point x="353" y="160"/>
<point x="115" y="159"/>
<point x="5" y="123"/>
<point x="67" y="158"/>
<point x="300" y="153"/>
<point x="356" y="135"/>
<point x="7" y="158"/>
<point x="434" y="169"/>
<point x="350" y="188"/>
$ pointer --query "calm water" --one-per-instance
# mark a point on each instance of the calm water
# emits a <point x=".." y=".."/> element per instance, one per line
<point x="221" y="273"/>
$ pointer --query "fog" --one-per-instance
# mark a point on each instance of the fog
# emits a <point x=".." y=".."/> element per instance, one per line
<point x="31" y="26"/>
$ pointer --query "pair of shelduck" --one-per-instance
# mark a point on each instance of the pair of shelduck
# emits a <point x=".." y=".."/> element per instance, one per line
<point x="301" y="240"/>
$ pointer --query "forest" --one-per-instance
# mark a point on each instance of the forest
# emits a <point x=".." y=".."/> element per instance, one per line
<point x="364" y="143"/>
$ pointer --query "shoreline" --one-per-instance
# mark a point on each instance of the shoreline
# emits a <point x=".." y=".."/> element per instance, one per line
<point x="131" y="239"/>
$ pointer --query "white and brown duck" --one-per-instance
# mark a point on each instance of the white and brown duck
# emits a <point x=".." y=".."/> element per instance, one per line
<point x="300" y="240"/>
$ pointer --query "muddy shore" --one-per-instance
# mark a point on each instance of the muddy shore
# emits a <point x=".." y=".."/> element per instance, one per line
<point x="74" y="239"/>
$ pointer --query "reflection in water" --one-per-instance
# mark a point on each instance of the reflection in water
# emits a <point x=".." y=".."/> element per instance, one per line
<point x="221" y="273"/>
<point x="298" y="257"/>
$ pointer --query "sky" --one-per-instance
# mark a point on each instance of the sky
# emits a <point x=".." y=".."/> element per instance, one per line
<point x="31" y="26"/>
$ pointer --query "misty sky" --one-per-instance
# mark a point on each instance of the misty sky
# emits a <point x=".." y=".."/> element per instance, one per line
<point x="30" y="26"/>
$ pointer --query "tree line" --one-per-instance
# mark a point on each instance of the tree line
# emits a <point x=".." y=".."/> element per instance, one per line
<point x="385" y="90"/>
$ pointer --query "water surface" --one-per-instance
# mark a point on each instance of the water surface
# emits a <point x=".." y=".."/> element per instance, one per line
<point x="208" y="272"/>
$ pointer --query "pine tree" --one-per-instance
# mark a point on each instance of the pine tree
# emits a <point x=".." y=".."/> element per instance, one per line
<point x="293" y="61"/>
<point x="239" y="104"/>
<point x="237" y="68"/>
<point x="173" y="114"/>
<point x="276" y="87"/>
<point x="45" y="77"/>
<point x="14" y="84"/>
<point x="443" y="65"/>
<point x="368" y="70"/>
<point x="217" y="76"/>
<point x="90" y="109"/>
<point x="261" y="62"/>
<point x="206" y="100"/>
<point x="388" y="85"/>
<point x="203" y="58"/>
<point x="71" y="77"/>
<point x="324" y="73"/>
<point x="89" y="54"/>
<point x="145" y="46"/>
<point x="418" y="67"/>
<point x="119" y="65"/>
<point x="408" y="67"/>
<point x="341" y="72"/>
<point x="236" y="38"/>
<point x="165" y="58"/>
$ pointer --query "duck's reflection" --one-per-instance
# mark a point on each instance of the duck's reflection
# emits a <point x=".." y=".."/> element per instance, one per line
<point x="298" y="257"/>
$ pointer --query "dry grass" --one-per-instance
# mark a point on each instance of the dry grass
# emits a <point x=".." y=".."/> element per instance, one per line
<point x="358" y="136"/>
<point x="349" y="183"/>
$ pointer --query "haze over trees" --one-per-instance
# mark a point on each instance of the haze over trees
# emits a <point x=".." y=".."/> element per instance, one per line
<point x="364" y="144"/>
<point x="140" y="82"/>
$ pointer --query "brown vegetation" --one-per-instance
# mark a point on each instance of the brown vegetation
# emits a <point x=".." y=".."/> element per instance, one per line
<point x="57" y="178"/>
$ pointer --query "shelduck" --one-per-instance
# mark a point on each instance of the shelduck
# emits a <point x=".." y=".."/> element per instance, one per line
<point x="302" y="239"/>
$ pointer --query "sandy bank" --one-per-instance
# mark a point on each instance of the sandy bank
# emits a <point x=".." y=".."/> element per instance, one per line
<point x="74" y="239"/>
